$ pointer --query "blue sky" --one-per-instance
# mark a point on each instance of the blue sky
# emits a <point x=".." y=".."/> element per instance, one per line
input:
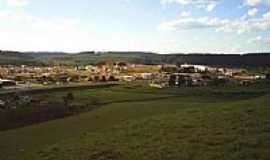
<point x="164" y="26"/>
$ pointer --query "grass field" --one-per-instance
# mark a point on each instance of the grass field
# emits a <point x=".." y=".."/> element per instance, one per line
<point x="147" y="123"/>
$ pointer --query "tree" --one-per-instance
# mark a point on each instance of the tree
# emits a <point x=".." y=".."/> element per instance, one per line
<point x="68" y="98"/>
<point x="112" y="78"/>
<point x="90" y="79"/>
<point x="178" y="64"/>
<point x="181" y="81"/>
<point x="103" y="79"/>
<point x="96" y="78"/>
<point x="172" y="80"/>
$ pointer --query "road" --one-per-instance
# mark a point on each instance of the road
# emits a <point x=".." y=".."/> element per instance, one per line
<point x="5" y="91"/>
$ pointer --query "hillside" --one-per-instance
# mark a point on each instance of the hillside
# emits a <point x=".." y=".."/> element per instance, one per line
<point x="146" y="123"/>
<point x="247" y="60"/>
<point x="15" y="58"/>
<point x="48" y="58"/>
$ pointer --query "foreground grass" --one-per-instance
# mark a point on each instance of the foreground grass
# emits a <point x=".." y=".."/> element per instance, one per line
<point x="182" y="125"/>
<point x="228" y="131"/>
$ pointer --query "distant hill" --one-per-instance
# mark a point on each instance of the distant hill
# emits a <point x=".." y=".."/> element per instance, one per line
<point x="45" y="54"/>
<point x="90" y="57"/>
<point x="246" y="60"/>
<point x="14" y="58"/>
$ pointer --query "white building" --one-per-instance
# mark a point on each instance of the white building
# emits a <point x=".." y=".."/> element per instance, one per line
<point x="6" y="83"/>
<point x="199" y="68"/>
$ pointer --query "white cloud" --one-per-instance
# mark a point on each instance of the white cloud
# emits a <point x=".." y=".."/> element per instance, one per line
<point x="185" y="23"/>
<point x="261" y="43"/>
<point x="208" y="5"/>
<point x="26" y="32"/>
<point x="23" y="32"/>
<point x="252" y="12"/>
<point x="17" y="3"/>
<point x="259" y="40"/>
<point x="185" y="14"/>
<point x="239" y="25"/>
<point x="256" y="2"/>
<point x="253" y="2"/>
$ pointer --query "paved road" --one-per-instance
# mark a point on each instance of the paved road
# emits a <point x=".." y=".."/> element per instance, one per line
<point x="4" y="91"/>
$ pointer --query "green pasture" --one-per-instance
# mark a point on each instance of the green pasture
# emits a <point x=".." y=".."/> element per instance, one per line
<point x="137" y="122"/>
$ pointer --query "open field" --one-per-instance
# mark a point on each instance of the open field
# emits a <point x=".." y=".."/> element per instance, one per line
<point x="146" y="123"/>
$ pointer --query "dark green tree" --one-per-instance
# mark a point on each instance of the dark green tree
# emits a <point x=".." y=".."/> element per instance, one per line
<point x="68" y="98"/>
<point x="172" y="80"/>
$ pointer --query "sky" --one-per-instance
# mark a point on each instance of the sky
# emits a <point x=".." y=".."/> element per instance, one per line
<point x="163" y="26"/>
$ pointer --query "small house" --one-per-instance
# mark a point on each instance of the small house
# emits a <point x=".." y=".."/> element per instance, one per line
<point x="7" y="83"/>
<point x="268" y="76"/>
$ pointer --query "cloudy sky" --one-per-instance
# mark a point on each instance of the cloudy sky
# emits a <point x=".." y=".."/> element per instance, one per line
<point x="165" y="26"/>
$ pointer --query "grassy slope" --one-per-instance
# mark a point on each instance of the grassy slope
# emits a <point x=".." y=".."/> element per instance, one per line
<point x="230" y="131"/>
<point x="214" y="126"/>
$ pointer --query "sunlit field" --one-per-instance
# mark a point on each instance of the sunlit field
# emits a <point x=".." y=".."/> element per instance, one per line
<point x="138" y="122"/>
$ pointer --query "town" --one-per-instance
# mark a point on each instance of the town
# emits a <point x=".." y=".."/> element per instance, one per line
<point x="17" y="81"/>
<point x="160" y="76"/>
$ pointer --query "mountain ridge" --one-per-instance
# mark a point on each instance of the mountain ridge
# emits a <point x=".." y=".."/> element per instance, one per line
<point x="92" y="57"/>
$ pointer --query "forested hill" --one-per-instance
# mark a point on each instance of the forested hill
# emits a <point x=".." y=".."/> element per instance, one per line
<point x="245" y="60"/>
<point x="89" y="57"/>
<point x="13" y="58"/>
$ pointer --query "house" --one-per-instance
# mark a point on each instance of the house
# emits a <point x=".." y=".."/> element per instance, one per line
<point x="80" y="68"/>
<point x="2" y="104"/>
<point x="168" y="68"/>
<point x="65" y="78"/>
<point x="154" y="85"/>
<point x="234" y="71"/>
<point x="247" y="77"/>
<point x="188" y="68"/>
<point x="268" y="76"/>
<point x="7" y="83"/>
<point x="147" y="76"/>
<point x="221" y="80"/>
<point x="88" y="67"/>
<point x="121" y="66"/>
<point x="94" y="69"/>
<point x="184" y="79"/>
<point x="127" y="78"/>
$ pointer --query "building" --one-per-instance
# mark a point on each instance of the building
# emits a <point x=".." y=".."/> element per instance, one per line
<point x="188" y="68"/>
<point x="2" y="104"/>
<point x="127" y="78"/>
<point x="268" y="76"/>
<point x="7" y="83"/>
<point x="147" y="76"/>
<point x="184" y="79"/>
